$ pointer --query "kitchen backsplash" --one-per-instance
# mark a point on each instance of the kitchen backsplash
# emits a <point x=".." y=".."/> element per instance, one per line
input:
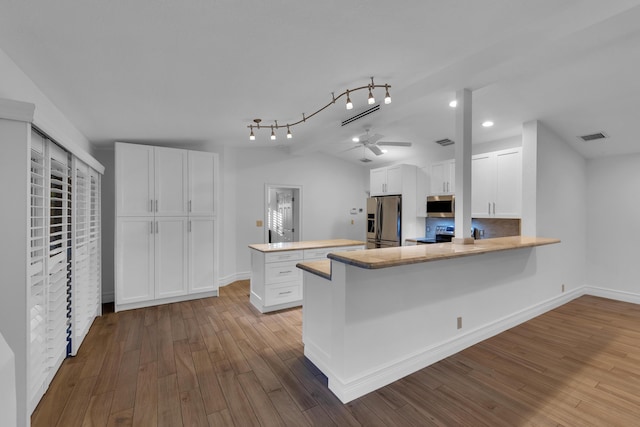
<point x="493" y="227"/>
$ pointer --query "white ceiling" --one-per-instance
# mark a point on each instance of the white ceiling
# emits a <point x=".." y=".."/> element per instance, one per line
<point x="201" y="70"/>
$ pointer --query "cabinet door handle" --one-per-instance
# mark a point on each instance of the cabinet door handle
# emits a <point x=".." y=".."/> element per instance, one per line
<point x="494" y="208"/>
<point x="156" y="205"/>
<point x="157" y="228"/>
<point x="448" y="189"/>
<point x="284" y="293"/>
<point x="150" y="205"/>
<point x="285" y="272"/>
<point x="489" y="208"/>
<point x="189" y="205"/>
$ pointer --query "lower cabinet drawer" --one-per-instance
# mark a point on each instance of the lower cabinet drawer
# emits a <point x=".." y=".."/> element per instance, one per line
<point x="278" y="272"/>
<point x="275" y="295"/>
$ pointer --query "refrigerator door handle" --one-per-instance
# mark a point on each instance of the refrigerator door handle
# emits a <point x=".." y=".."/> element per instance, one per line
<point x="378" y="219"/>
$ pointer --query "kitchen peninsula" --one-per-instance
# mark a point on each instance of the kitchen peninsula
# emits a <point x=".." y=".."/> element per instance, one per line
<point x="371" y="317"/>
<point x="276" y="283"/>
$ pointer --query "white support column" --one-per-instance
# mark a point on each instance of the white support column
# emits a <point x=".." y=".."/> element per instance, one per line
<point x="529" y="177"/>
<point x="463" y="168"/>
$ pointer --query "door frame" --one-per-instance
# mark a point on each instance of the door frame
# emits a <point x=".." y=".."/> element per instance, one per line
<point x="297" y="208"/>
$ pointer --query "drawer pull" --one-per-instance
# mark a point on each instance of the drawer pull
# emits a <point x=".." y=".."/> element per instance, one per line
<point x="284" y="293"/>
<point x="285" y="272"/>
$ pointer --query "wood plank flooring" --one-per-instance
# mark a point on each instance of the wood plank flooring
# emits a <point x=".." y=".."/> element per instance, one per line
<point x="218" y="362"/>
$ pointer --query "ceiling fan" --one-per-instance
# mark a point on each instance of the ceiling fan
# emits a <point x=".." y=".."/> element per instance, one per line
<point x="373" y="143"/>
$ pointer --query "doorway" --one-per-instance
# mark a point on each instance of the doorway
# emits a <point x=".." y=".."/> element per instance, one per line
<point x="283" y="213"/>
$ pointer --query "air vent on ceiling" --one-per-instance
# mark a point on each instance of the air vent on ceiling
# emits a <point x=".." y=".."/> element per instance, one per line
<point x="365" y="160"/>
<point x="593" y="136"/>
<point x="444" y="142"/>
<point x="361" y="115"/>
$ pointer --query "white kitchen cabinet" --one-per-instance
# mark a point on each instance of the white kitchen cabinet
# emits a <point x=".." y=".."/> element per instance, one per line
<point x="170" y="181"/>
<point x="135" y="170"/>
<point x="201" y="183"/>
<point x="387" y="181"/>
<point x="496" y="190"/>
<point x="135" y="259"/>
<point x="170" y="256"/>
<point x="201" y="231"/>
<point x="443" y="177"/>
<point x="276" y="282"/>
<point x="423" y="189"/>
<point x="166" y="251"/>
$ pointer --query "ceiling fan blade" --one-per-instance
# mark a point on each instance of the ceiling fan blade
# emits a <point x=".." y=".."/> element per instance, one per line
<point x="377" y="151"/>
<point x="395" y="144"/>
<point x="374" y="138"/>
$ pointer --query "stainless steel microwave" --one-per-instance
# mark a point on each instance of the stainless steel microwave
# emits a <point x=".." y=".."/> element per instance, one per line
<point x="441" y="206"/>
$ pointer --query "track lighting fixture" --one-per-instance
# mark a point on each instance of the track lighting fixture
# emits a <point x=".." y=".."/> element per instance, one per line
<point x="349" y="105"/>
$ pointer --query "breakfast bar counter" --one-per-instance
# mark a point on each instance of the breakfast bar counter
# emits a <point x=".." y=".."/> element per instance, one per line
<point x="373" y="316"/>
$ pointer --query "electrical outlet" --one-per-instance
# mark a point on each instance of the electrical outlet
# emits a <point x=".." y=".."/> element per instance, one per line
<point x="428" y="229"/>
<point x="563" y="287"/>
<point x="459" y="322"/>
<point x="481" y="233"/>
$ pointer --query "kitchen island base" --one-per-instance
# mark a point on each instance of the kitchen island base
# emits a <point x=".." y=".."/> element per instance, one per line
<point x="365" y="328"/>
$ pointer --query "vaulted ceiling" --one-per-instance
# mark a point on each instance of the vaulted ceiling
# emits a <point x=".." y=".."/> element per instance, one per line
<point x="202" y="70"/>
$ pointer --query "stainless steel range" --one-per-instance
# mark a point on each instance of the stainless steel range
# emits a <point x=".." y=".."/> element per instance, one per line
<point x="444" y="233"/>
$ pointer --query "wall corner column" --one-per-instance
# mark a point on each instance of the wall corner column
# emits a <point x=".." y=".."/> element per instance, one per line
<point x="529" y="177"/>
<point x="463" y="168"/>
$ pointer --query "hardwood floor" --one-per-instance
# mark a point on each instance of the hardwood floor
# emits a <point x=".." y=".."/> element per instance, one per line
<point x="218" y="362"/>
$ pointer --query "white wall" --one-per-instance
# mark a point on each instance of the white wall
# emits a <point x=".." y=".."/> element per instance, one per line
<point x="330" y="188"/>
<point x="614" y="225"/>
<point x="15" y="84"/>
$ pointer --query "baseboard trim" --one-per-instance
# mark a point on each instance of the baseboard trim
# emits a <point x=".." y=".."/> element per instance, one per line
<point x="623" y="296"/>
<point x="227" y="280"/>
<point x="349" y="389"/>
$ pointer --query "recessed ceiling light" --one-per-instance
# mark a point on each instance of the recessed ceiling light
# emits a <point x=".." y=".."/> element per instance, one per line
<point x="487" y="124"/>
<point x="453" y="104"/>
<point x="384" y="150"/>
<point x="355" y="139"/>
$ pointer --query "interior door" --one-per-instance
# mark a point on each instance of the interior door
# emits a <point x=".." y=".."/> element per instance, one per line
<point x="281" y="218"/>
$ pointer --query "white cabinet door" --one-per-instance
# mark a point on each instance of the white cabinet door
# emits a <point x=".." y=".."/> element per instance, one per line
<point x="201" y="183"/>
<point x="377" y="181"/>
<point x="170" y="256"/>
<point x="134" y="180"/>
<point x="483" y="182"/>
<point x="394" y="180"/>
<point x="170" y="181"/>
<point x="443" y="175"/>
<point x="201" y="255"/>
<point x="134" y="275"/>
<point x="509" y="183"/>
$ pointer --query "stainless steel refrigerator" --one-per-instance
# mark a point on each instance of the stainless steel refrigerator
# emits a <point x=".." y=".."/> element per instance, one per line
<point x="384" y="226"/>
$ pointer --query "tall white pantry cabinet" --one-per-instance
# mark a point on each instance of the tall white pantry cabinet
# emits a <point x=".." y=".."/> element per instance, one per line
<point x="50" y="259"/>
<point x="166" y="247"/>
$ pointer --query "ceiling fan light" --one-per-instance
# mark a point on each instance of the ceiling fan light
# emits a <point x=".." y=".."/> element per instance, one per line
<point x="355" y="139"/>
<point x="384" y="150"/>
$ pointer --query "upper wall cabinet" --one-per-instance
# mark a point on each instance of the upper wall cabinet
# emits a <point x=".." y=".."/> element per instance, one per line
<point x="201" y="184"/>
<point x="154" y="180"/>
<point x="496" y="190"/>
<point x="386" y="181"/>
<point x="443" y="175"/>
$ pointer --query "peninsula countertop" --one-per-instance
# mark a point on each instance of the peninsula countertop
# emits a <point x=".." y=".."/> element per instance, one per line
<point x="405" y="255"/>
<point x="309" y="244"/>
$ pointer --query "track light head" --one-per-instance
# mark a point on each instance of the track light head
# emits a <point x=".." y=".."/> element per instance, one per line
<point x="273" y="134"/>
<point x="387" y="97"/>
<point x="349" y="103"/>
<point x="289" y="136"/>
<point x="252" y="137"/>
<point x="371" y="100"/>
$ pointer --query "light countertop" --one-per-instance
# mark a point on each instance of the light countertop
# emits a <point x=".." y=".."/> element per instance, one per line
<point x="404" y="255"/>
<point x="310" y="244"/>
